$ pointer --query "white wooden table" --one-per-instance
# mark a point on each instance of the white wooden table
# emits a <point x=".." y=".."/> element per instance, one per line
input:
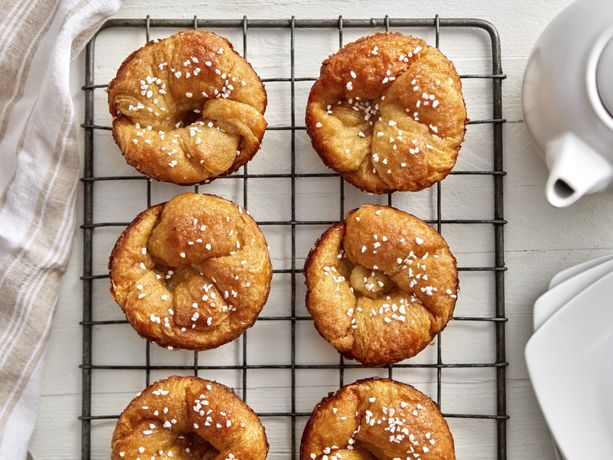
<point x="540" y="240"/>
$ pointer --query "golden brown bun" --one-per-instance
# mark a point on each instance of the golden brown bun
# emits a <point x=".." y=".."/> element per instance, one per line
<point x="387" y="113"/>
<point x="187" y="108"/>
<point x="380" y="285"/>
<point x="377" y="419"/>
<point x="192" y="273"/>
<point x="184" y="418"/>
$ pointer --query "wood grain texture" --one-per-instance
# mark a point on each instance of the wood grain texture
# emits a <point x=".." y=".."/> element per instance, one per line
<point x="540" y="240"/>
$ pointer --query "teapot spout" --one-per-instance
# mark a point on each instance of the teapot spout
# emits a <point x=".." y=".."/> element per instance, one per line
<point x="575" y="169"/>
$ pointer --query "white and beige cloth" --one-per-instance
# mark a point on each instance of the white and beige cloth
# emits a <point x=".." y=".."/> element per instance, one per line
<point x="39" y="169"/>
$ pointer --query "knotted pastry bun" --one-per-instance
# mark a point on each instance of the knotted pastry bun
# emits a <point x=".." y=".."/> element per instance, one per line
<point x="380" y="285"/>
<point x="377" y="419"/>
<point x="387" y="113"/>
<point x="192" y="273"/>
<point x="185" y="418"/>
<point x="187" y="108"/>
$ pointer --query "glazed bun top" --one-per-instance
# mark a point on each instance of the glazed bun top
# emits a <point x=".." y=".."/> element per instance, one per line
<point x="381" y="285"/>
<point x="187" y="108"/>
<point x="387" y="113"/>
<point x="377" y="419"/>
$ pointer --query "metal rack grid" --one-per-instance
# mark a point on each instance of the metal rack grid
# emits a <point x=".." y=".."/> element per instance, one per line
<point x="338" y="25"/>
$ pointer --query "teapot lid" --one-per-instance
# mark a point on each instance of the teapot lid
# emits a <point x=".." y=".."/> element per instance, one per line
<point x="604" y="77"/>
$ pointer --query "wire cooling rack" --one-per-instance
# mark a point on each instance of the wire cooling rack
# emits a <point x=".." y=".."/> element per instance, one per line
<point x="293" y="416"/>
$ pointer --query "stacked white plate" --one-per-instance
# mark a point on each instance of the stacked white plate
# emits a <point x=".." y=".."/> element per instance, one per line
<point x="570" y="359"/>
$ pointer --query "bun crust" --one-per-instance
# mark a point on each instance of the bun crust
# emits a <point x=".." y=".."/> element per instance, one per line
<point x="192" y="273"/>
<point x="387" y="113"/>
<point x="380" y="285"/>
<point x="377" y="419"/>
<point x="188" y="418"/>
<point x="187" y="109"/>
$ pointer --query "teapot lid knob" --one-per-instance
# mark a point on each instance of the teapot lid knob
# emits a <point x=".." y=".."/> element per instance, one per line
<point x="604" y="77"/>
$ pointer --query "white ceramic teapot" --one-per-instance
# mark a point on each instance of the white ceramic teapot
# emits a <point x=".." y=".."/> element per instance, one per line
<point x="568" y="100"/>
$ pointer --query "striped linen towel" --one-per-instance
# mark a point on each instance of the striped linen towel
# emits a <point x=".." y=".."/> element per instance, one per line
<point x="39" y="168"/>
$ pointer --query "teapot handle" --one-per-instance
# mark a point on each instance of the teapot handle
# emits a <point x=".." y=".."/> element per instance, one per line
<point x="575" y="169"/>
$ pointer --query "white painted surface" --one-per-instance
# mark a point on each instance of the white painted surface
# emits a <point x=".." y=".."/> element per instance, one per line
<point x="540" y="240"/>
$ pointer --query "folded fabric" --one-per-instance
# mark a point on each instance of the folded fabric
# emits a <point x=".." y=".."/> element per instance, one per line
<point x="38" y="185"/>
